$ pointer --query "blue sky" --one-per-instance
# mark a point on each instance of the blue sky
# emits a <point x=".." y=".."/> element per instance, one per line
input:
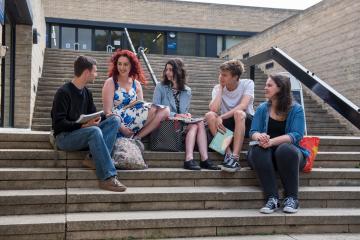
<point x="289" y="4"/>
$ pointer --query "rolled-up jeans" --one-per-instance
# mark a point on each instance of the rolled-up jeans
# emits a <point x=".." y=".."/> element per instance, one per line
<point x="98" y="139"/>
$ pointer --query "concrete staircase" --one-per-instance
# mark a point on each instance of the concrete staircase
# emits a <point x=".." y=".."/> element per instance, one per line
<point x="46" y="194"/>
<point x="202" y="76"/>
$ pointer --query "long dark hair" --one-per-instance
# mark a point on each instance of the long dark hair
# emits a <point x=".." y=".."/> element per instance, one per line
<point x="284" y="96"/>
<point x="179" y="73"/>
<point x="136" y="71"/>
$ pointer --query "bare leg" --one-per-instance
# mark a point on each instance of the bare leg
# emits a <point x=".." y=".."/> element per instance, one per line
<point x="190" y="141"/>
<point x="160" y="114"/>
<point x="151" y="116"/>
<point x="239" y="132"/>
<point x="211" y="120"/>
<point x="201" y="140"/>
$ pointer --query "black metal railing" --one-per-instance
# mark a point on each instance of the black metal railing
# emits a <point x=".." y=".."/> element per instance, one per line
<point x="141" y="53"/>
<point x="337" y="101"/>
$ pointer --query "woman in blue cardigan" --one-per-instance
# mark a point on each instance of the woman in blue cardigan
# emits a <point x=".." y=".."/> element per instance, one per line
<point x="174" y="92"/>
<point x="277" y="127"/>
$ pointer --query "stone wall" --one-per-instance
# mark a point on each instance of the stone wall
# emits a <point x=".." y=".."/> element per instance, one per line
<point x="324" y="38"/>
<point x="28" y="61"/>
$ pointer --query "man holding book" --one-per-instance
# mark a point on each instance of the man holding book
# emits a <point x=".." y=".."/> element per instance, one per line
<point x="231" y="108"/>
<point x="71" y="101"/>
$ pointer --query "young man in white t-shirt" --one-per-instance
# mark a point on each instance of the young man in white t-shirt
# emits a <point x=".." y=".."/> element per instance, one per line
<point x="233" y="98"/>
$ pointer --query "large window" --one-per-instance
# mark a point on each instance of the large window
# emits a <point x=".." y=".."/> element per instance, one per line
<point x="68" y="38"/>
<point x="84" y="39"/>
<point x="101" y="40"/>
<point x="116" y="39"/>
<point x="186" y="44"/>
<point x="153" y="42"/>
<point x="233" y="40"/>
<point x="202" y="45"/>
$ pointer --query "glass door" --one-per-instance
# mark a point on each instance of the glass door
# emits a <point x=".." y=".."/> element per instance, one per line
<point x="101" y="40"/>
<point x="116" y="39"/>
<point x="84" y="39"/>
<point x="68" y="40"/>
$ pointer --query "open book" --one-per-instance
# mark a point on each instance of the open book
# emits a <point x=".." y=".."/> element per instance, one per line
<point x="187" y="120"/>
<point x="133" y="103"/>
<point x="221" y="141"/>
<point x="87" y="117"/>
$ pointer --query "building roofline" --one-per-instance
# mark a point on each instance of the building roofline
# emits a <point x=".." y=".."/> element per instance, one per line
<point x="101" y="24"/>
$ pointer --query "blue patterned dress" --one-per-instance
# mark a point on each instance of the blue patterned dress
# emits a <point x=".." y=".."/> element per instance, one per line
<point x="133" y="117"/>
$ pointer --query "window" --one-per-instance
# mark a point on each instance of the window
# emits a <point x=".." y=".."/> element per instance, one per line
<point x="84" y="39"/>
<point x="186" y="44"/>
<point x="101" y="40"/>
<point x="54" y="36"/>
<point x="68" y="38"/>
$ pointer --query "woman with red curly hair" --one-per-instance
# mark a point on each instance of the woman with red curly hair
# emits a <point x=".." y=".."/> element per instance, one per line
<point x="121" y="94"/>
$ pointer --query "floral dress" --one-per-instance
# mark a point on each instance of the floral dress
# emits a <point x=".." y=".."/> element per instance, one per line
<point x="133" y="117"/>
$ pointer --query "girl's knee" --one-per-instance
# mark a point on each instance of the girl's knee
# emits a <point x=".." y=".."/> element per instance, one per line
<point x="285" y="149"/>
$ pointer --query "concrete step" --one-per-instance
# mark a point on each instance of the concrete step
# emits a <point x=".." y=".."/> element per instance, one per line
<point x="75" y="200"/>
<point x="160" y="159"/>
<point x="37" y="201"/>
<point x="179" y="223"/>
<point x="33" y="227"/>
<point x="197" y="198"/>
<point x="17" y="178"/>
<point x="32" y="178"/>
<point x="328" y="236"/>
<point x="177" y="177"/>
<point x="192" y="223"/>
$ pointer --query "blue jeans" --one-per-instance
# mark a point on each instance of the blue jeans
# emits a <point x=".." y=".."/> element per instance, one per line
<point x="99" y="139"/>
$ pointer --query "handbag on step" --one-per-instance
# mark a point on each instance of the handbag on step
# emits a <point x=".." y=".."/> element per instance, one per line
<point x="169" y="136"/>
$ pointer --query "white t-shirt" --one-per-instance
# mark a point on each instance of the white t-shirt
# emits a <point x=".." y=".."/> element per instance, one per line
<point x="231" y="99"/>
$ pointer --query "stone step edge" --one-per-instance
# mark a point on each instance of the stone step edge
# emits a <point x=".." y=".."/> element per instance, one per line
<point x="180" y="218"/>
<point x="164" y="194"/>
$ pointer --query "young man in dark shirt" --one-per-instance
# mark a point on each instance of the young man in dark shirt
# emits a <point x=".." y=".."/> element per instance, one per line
<point x="70" y="101"/>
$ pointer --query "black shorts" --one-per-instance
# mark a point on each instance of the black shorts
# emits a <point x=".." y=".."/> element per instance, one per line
<point x="229" y="123"/>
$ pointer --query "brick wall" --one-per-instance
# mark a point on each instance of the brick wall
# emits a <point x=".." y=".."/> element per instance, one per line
<point x="28" y="62"/>
<point x="168" y="13"/>
<point x="324" y="38"/>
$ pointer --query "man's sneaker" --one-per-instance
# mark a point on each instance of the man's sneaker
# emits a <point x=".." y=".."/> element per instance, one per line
<point x="88" y="162"/>
<point x="227" y="158"/>
<point x="271" y="206"/>
<point x="232" y="165"/>
<point x="112" y="184"/>
<point x="191" y="165"/>
<point x="291" y="205"/>
<point x="208" y="164"/>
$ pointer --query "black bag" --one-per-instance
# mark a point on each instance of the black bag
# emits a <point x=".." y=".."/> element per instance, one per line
<point x="169" y="136"/>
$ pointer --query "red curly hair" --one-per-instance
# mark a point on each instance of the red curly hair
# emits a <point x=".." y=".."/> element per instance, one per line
<point x="136" y="71"/>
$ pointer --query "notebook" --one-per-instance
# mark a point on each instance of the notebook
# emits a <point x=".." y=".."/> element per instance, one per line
<point x="221" y="141"/>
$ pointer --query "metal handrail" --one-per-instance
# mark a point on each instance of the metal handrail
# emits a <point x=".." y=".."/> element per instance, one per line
<point x="142" y="54"/>
<point x="152" y="74"/>
<point x="129" y="41"/>
<point x="336" y="100"/>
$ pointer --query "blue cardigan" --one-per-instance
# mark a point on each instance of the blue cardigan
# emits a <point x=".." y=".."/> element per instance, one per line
<point x="295" y="123"/>
<point x="163" y="95"/>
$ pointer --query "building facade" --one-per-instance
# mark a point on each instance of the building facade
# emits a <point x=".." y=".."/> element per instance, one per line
<point x="161" y="27"/>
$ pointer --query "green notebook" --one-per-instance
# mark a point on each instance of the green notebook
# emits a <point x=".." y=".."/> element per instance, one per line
<point x="221" y="141"/>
